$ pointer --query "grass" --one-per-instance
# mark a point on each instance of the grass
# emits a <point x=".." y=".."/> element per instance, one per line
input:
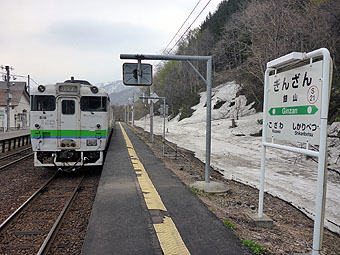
<point x="256" y="248"/>
<point x="194" y="190"/>
<point x="229" y="224"/>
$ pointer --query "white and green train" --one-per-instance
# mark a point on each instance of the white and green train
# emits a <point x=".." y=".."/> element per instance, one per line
<point x="71" y="123"/>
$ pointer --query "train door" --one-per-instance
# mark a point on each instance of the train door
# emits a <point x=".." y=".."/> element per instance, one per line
<point x="69" y="123"/>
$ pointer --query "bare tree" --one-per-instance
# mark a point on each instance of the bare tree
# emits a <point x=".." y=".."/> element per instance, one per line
<point x="268" y="29"/>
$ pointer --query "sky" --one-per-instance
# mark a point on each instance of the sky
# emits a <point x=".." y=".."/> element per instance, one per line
<point x="56" y="39"/>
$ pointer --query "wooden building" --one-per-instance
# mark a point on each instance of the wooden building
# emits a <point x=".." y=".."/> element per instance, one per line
<point x="19" y="105"/>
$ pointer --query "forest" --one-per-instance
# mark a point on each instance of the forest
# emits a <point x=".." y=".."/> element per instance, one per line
<point x="242" y="36"/>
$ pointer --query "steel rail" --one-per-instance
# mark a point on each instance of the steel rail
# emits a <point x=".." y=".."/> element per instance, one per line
<point x="16" y="213"/>
<point x="53" y="232"/>
<point x="15" y="161"/>
<point x="15" y="153"/>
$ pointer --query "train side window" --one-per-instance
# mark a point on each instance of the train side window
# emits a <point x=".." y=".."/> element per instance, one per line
<point x="93" y="103"/>
<point x="43" y="103"/>
<point x="68" y="107"/>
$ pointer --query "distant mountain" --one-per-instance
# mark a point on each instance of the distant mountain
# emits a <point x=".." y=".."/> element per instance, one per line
<point x="119" y="93"/>
<point x="112" y="87"/>
<point x="121" y="98"/>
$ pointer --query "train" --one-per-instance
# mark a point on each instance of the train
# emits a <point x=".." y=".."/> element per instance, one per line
<point x="70" y="124"/>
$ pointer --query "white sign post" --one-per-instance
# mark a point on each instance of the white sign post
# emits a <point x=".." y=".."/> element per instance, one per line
<point x="295" y="109"/>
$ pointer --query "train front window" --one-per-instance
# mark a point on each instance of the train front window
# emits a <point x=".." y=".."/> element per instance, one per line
<point x="68" y="107"/>
<point x="93" y="104"/>
<point x="42" y="103"/>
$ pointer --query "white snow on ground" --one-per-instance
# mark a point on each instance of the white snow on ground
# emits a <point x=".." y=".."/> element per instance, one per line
<point x="289" y="176"/>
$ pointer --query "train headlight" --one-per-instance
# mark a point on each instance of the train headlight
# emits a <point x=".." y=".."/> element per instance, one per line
<point x="91" y="142"/>
<point x="41" y="88"/>
<point x="94" y="89"/>
<point x="98" y="125"/>
<point x="37" y="126"/>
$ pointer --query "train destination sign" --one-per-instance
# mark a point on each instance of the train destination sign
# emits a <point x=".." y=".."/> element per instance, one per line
<point x="294" y="104"/>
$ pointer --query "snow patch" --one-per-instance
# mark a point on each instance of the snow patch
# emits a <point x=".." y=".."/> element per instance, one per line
<point x="236" y="153"/>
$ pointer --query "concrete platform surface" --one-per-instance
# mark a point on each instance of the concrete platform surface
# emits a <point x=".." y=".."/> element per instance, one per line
<point x="122" y="222"/>
<point x="13" y="133"/>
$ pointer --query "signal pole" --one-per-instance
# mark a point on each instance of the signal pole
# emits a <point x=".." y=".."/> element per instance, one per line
<point x="133" y="110"/>
<point x="151" y="116"/>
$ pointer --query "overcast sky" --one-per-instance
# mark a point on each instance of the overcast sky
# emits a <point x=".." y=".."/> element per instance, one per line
<point x="52" y="40"/>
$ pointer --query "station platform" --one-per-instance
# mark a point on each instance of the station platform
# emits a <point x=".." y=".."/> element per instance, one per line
<point x="141" y="207"/>
<point x="14" y="133"/>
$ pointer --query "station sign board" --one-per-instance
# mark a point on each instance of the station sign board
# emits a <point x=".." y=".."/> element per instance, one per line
<point x="296" y="109"/>
<point x="294" y="104"/>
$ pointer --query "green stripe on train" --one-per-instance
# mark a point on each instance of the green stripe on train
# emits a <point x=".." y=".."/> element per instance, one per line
<point x="67" y="133"/>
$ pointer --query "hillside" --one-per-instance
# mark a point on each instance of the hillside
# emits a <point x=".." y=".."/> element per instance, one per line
<point x="125" y="96"/>
<point x="242" y="36"/>
<point x="119" y="93"/>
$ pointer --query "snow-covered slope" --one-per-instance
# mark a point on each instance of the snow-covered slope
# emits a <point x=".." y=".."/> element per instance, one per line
<point x="113" y="87"/>
<point x="236" y="152"/>
<point x="118" y="92"/>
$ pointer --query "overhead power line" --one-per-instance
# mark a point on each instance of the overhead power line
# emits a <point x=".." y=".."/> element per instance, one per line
<point x="190" y="26"/>
<point x="181" y="26"/>
<point x="34" y="81"/>
<point x="21" y="76"/>
<point x="185" y="30"/>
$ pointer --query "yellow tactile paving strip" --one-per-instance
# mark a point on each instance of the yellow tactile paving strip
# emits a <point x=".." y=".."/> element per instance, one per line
<point x="169" y="238"/>
<point x="167" y="233"/>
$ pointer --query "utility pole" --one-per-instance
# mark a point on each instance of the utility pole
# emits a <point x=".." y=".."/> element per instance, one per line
<point x="7" y="79"/>
<point x="8" y="97"/>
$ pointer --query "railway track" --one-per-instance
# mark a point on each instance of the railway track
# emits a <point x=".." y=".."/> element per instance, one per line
<point x="33" y="226"/>
<point x="13" y="158"/>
